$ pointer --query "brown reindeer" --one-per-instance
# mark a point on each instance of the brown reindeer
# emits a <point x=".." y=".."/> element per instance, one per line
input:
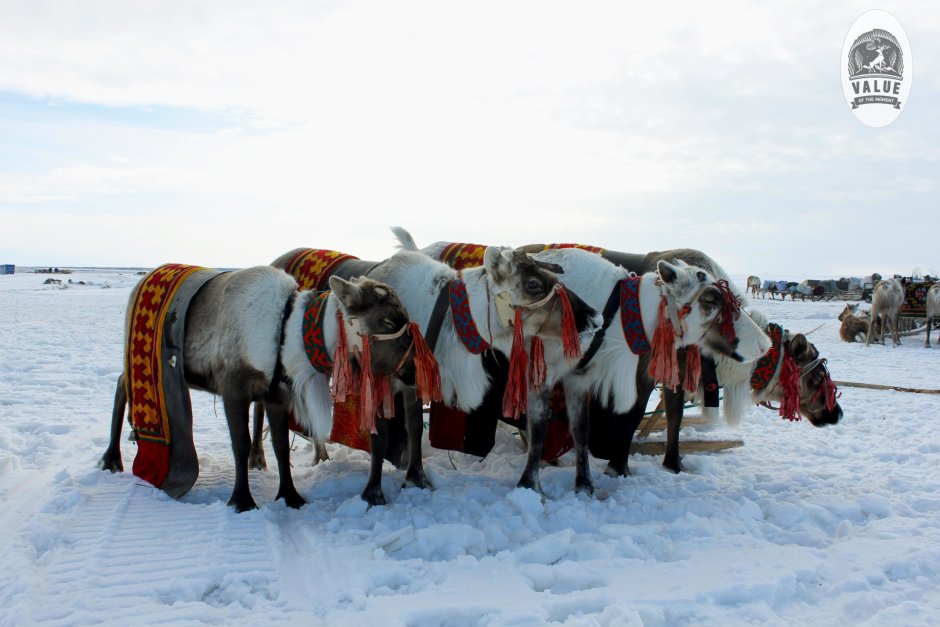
<point x="854" y="324"/>
<point x="886" y="301"/>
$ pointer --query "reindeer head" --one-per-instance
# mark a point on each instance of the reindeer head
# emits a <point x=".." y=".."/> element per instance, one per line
<point x="817" y="392"/>
<point x="373" y="310"/>
<point x="519" y="280"/>
<point x="709" y="318"/>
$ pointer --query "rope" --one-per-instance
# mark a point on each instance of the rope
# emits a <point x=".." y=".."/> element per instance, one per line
<point x="893" y="388"/>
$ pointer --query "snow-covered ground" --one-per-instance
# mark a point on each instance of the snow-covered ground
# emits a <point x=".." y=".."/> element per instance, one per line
<point x="829" y="526"/>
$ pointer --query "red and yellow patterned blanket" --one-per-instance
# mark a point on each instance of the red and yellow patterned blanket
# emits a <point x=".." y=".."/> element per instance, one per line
<point x="460" y="256"/>
<point x="312" y="267"/>
<point x="144" y="369"/>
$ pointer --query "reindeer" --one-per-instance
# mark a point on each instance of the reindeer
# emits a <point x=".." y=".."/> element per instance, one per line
<point x="854" y="325"/>
<point x="877" y="64"/>
<point x="932" y="305"/>
<point x="615" y="432"/>
<point x="753" y="286"/>
<point x="507" y="278"/>
<point x="611" y="371"/>
<point x="886" y="301"/>
<point x="239" y="335"/>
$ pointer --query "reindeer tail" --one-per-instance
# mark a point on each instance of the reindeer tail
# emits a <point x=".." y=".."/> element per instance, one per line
<point x="406" y="242"/>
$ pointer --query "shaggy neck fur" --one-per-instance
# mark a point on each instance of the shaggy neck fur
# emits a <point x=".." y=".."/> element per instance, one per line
<point x="313" y="406"/>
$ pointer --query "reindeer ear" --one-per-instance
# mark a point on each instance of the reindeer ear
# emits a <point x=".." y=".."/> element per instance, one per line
<point x="497" y="263"/>
<point x="349" y="295"/>
<point x="523" y="258"/>
<point x="799" y="346"/>
<point x="667" y="272"/>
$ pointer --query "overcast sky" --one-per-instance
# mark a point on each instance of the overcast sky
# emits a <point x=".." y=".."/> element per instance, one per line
<point x="226" y="133"/>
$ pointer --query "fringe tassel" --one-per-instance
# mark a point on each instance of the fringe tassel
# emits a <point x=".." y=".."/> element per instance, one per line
<point x="693" y="369"/>
<point x="570" y="338"/>
<point x="368" y="401"/>
<point x="342" y="367"/>
<point x="730" y="309"/>
<point x="829" y="391"/>
<point x="790" y="383"/>
<point x="537" y="373"/>
<point x="427" y="374"/>
<point x="664" y="365"/>
<point x="515" y="397"/>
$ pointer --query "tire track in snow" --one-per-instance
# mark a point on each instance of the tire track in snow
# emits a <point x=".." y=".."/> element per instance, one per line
<point x="124" y="551"/>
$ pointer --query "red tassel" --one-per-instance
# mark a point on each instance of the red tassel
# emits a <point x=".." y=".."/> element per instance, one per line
<point x="790" y="383"/>
<point x="537" y="373"/>
<point x="664" y="365"/>
<point x="342" y="367"/>
<point x="828" y="390"/>
<point x="515" y="398"/>
<point x="570" y="338"/>
<point x="383" y="394"/>
<point x="730" y="309"/>
<point x="368" y="402"/>
<point x="693" y="369"/>
<point x="427" y="374"/>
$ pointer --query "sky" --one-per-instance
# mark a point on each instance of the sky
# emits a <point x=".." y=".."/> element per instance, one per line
<point x="226" y="133"/>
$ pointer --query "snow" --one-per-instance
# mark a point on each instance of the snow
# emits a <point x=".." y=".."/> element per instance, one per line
<point x="801" y="525"/>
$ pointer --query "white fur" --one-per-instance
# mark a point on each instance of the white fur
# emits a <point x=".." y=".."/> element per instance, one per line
<point x="313" y="406"/>
<point x="249" y="322"/>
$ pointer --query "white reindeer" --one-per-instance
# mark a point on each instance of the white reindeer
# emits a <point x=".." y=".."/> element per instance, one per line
<point x="933" y="309"/>
<point x="886" y="301"/>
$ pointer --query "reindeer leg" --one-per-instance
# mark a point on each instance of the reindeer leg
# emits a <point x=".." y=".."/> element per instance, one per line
<point x="927" y="339"/>
<point x="256" y="459"/>
<point x="625" y="426"/>
<point x="414" y="427"/>
<point x="579" y="425"/>
<point x="674" y="401"/>
<point x="236" y="414"/>
<point x="278" y="417"/>
<point x="372" y="494"/>
<point x="536" y="427"/>
<point x="111" y="460"/>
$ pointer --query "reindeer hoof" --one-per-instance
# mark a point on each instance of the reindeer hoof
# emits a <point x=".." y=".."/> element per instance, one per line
<point x="291" y="498"/>
<point x="675" y="465"/>
<point x="256" y="461"/>
<point x="529" y="484"/>
<point x="613" y="470"/>
<point x="242" y="503"/>
<point x="111" y="462"/>
<point x="373" y="496"/>
<point x="417" y="479"/>
<point x="584" y="487"/>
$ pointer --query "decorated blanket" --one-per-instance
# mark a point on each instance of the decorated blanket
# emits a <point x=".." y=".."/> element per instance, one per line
<point x="312" y="267"/>
<point x="157" y="395"/>
<point x="915" y="298"/>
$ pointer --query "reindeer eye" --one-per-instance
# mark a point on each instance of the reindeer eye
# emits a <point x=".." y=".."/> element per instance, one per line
<point x="388" y="324"/>
<point x="534" y="286"/>
<point x="702" y="277"/>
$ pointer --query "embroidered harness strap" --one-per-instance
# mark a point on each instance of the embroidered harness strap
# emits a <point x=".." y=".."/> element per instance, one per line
<point x="463" y="319"/>
<point x="767" y="366"/>
<point x="314" y="338"/>
<point x="630" y="318"/>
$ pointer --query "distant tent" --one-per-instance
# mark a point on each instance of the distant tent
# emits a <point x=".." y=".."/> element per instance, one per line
<point x="7" y="268"/>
